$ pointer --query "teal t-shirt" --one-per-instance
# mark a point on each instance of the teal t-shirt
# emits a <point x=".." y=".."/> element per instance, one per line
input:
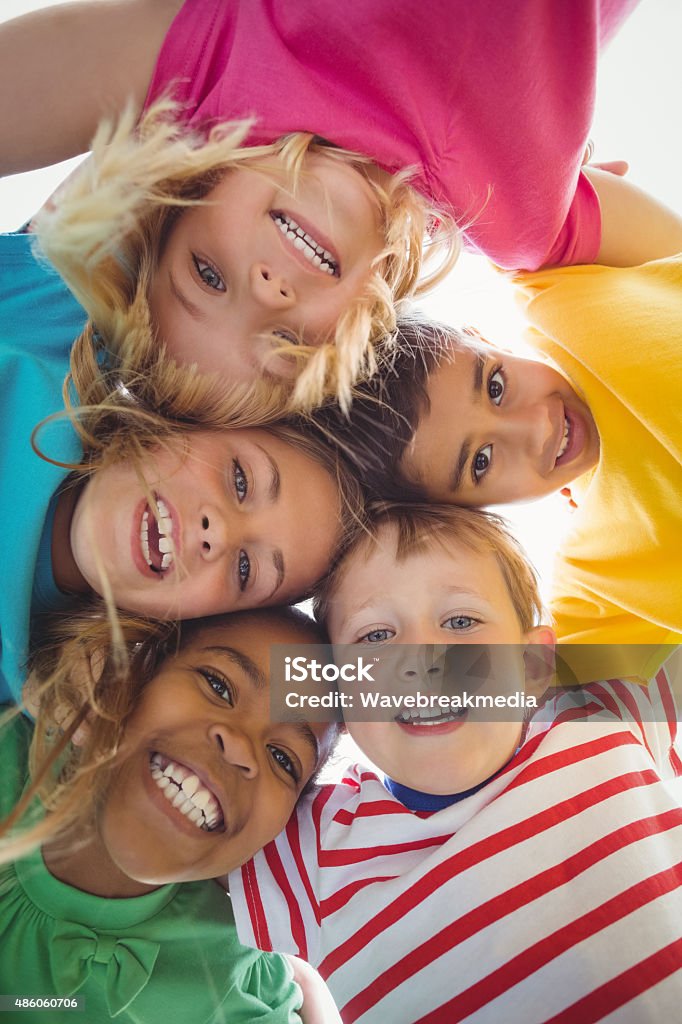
<point x="170" y="955"/>
<point x="39" y="321"/>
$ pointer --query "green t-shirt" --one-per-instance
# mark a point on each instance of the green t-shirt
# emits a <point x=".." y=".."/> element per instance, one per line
<point x="170" y="955"/>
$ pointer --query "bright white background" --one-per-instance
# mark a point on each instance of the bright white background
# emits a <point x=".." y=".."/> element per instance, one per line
<point x="637" y="118"/>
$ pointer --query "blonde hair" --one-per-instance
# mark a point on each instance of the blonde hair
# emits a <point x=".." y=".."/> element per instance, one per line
<point x="421" y="527"/>
<point x="78" y="678"/>
<point x="109" y="222"/>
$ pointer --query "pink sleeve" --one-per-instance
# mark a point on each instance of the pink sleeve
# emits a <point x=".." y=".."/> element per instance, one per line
<point x="490" y="103"/>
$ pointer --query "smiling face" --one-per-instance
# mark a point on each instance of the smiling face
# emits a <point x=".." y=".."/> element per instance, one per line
<point x="242" y="519"/>
<point x="442" y="594"/>
<point x="203" y="778"/>
<point x="257" y="259"/>
<point x="499" y="429"/>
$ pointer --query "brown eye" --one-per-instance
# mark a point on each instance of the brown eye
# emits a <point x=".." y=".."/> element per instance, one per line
<point x="481" y="463"/>
<point x="496" y="386"/>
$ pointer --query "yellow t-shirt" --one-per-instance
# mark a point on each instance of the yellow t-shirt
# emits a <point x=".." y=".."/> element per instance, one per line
<point x="616" y="334"/>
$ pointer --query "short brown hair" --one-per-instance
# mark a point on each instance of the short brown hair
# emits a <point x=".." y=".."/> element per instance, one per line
<point x="419" y="527"/>
<point x="375" y="432"/>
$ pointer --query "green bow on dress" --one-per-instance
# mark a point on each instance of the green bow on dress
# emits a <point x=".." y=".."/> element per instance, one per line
<point x="129" y="963"/>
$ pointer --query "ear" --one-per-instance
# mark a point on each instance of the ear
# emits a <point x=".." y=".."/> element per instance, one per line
<point x="539" y="658"/>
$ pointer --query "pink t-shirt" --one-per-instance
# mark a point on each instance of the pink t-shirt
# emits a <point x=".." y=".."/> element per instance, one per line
<point x="489" y="102"/>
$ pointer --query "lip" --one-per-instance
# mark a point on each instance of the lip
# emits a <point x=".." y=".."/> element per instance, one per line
<point x="577" y="438"/>
<point x="174" y="816"/>
<point x="311" y="230"/>
<point x="138" y="558"/>
<point x="424" y="731"/>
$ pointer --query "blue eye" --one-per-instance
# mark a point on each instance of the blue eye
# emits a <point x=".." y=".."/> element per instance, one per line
<point x="460" y="622"/>
<point x="241" y="484"/>
<point x="284" y="762"/>
<point x="208" y="274"/>
<point x="496" y="385"/>
<point x="243" y="569"/>
<point x="218" y="684"/>
<point x="481" y="463"/>
<point x="377" y="636"/>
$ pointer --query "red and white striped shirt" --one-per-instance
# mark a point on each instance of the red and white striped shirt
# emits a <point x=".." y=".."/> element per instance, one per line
<point x="553" y="894"/>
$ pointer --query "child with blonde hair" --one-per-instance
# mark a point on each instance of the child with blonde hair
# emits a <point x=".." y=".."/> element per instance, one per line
<point x="315" y="270"/>
<point x="144" y="783"/>
<point x="181" y="512"/>
<point x="519" y="865"/>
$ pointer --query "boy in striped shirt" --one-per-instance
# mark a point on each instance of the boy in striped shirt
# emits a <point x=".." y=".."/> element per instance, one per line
<point x="519" y="870"/>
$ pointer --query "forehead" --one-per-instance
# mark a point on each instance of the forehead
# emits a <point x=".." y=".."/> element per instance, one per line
<point x="438" y="561"/>
<point x="251" y="635"/>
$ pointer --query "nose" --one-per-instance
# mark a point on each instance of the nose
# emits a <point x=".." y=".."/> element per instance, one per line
<point x="213" y="534"/>
<point x="270" y="289"/>
<point x="235" y="748"/>
<point x="530" y="428"/>
<point x="420" y="663"/>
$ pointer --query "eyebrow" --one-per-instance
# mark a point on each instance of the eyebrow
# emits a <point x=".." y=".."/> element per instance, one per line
<point x="278" y="561"/>
<point x="303" y="730"/>
<point x="243" y="661"/>
<point x="259" y="680"/>
<point x="275" y="479"/>
<point x="193" y="310"/>
<point x="465" y="450"/>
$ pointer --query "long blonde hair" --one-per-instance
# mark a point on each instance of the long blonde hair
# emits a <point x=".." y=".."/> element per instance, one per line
<point x="105" y="230"/>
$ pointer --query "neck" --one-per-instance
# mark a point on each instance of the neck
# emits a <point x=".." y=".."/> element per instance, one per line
<point x="67" y="575"/>
<point x="86" y="865"/>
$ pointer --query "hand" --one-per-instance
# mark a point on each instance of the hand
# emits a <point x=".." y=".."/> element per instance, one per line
<point x="617" y="167"/>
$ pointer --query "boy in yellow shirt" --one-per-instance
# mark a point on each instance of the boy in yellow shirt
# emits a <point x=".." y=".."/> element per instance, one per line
<point x="459" y="421"/>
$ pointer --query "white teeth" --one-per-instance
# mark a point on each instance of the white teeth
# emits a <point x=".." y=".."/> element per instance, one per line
<point x="190" y="785"/>
<point x="428" y="716"/>
<point x="165" y="529"/>
<point x="202" y="799"/>
<point x="184" y="790"/>
<point x="564" y="441"/>
<point x="305" y="243"/>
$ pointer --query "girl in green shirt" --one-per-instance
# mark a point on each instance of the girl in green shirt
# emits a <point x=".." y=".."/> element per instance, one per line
<point x="169" y="770"/>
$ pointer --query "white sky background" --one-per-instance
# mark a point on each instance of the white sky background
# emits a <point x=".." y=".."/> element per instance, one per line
<point x="637" y="118"/>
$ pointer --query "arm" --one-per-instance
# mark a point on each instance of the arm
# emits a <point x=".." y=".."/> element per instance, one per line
<point x="318" y="1005"/>
<point x="636" y="227"/>
<point x="64" y="68"/>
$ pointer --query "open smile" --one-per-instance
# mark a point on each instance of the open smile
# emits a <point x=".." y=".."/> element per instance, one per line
<point x="430" y="721"/>
<point x="187" y="793"/>
<point x="157" y="538"/>
<point x="306" y="247"/>
<point x="573" y="439"/>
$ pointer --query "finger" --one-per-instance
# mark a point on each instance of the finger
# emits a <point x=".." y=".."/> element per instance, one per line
<point x="618" y="167"/>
